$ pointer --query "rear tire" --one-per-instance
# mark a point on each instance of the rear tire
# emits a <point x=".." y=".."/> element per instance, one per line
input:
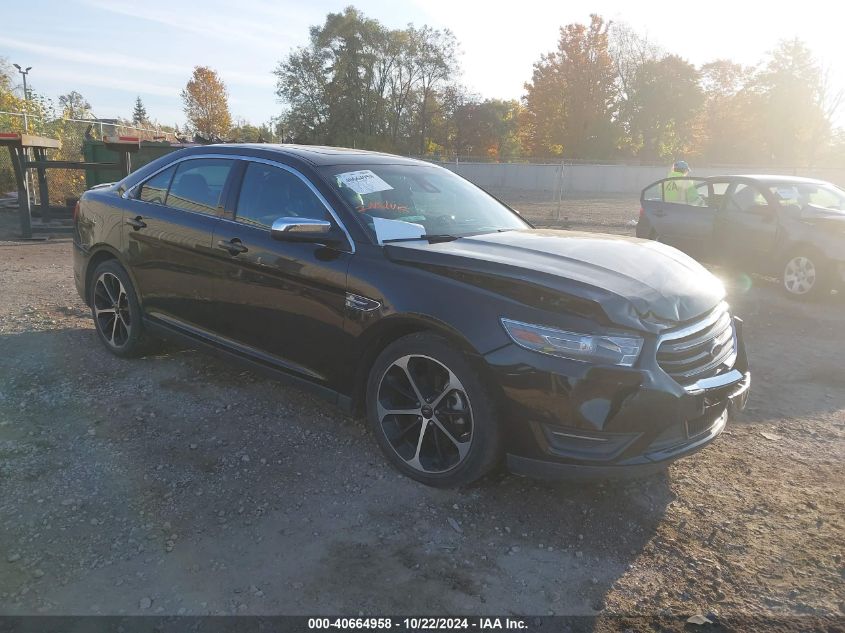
<point x="444" y="428"/>
<point x="116" y="311"/>
<point x="806" y="274"/>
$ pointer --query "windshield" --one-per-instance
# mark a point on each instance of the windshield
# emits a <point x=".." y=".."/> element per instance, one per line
<point x="817" y="194"/>
<point x="424" y="199"/>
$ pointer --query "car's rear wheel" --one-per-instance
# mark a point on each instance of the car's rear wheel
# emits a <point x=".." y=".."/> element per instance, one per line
<point x="806" y="274"/>
<point x="116" y="311"/>
<point x="431" y="413"/>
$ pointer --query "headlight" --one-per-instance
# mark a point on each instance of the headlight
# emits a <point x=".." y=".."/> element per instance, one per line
<point x="591" y="348"/>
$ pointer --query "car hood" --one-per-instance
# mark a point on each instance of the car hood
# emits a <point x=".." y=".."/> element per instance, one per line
<point x="637" y="283"/>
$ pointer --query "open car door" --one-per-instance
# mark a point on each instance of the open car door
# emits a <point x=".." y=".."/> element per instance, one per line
<point x="681" y="212"/>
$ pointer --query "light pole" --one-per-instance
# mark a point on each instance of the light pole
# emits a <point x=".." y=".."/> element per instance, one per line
<point x="24" y="73"/>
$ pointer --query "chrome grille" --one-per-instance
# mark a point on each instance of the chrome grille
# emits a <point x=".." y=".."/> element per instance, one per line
<point x="700" y="350"/>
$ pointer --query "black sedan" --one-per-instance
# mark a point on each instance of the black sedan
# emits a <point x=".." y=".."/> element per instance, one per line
<point x="787" y="227"/>
<point x="401" y="292"/>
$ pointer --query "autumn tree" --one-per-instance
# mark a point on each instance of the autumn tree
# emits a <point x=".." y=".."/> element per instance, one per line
<point x="570" y="98"/>
<point x="139" y="113"/>
<point x="9" y="101"/>
<point x="206" y="103"/>
<point x="486" y="128"/>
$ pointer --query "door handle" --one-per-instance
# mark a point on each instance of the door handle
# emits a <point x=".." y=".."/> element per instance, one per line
<point x="136" y="223"/>
<point x="234" y="246"/>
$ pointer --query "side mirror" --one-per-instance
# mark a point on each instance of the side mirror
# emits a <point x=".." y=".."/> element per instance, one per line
<point x="301" y="230"/>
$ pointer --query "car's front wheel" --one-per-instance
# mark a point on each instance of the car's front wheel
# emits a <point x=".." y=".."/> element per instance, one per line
<point x="806" y="274"/>
<point x="116" y="311"/>
<point x="431" y="413"/>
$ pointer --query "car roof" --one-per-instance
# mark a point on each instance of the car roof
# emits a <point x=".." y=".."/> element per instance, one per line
<point x="318" y="155"/>
<point x="301" y="156"/>
<point x="765" y="179"/>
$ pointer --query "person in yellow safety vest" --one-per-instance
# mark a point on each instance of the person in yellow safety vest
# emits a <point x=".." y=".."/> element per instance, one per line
<point x="681" y="191"/>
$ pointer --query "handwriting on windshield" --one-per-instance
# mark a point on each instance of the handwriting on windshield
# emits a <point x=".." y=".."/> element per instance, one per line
<point x="382" y="205"/>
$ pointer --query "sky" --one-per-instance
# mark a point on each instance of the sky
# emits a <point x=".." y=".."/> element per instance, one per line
<point x="113" y="51"/>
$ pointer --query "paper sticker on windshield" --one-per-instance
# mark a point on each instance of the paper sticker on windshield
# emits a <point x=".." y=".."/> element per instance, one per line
<point x="396" y="230"/>
<point x="363" y="181"/>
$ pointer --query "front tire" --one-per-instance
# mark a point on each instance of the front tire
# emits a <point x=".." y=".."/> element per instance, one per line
<point x="116" y="311"/>
<point x="431" y="413"/>
<point x="806" y="274"/>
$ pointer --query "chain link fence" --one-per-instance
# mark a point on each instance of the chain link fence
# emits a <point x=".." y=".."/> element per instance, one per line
<point x="63" y="184"/>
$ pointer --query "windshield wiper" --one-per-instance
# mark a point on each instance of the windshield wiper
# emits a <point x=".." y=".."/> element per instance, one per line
<point x="432" y="239"/>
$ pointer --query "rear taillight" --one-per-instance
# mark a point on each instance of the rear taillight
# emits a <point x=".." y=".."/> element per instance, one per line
<point x="76" y="211"/>
<point x="642" y="211"/>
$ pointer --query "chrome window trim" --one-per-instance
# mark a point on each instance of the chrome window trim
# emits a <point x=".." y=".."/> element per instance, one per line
<point x="126" y="194"/>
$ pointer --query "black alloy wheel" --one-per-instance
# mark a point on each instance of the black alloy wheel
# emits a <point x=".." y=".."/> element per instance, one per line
<point x="431" y="412"/>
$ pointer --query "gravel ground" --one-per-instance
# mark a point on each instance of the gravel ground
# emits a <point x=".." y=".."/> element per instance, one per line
<point x="613" y="213"/>
<point x="181" y="484"/>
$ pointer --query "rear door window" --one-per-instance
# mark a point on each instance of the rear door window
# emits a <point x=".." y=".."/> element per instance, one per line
<point x="198" y="184"/>
<point x="686" y="191"/>
<point x="654" y="193"/>
<point x="720" y="190"/>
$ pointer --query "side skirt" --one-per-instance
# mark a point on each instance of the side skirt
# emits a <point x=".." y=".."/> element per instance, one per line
<point x="260" y="365"/>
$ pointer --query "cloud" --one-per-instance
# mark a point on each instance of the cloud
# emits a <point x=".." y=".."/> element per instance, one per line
<point x="133" y="86"/>
<point x="111" y="60"/>
<point x="125" y="62"/>
<point x="270" y="27"/>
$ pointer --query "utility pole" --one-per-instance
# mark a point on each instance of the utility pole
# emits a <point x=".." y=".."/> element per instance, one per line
<point x="24" y="73"/>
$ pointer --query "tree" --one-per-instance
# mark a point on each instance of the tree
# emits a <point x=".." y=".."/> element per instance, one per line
<point x="570" y="98"/>
<point x="74" y="106"/>
<point x="792" y="94"/>
<point x="9" y="101"/>
<point x="301" y="83"/>
<point x="435" y="62"/>
<point x="244" y="132"/>
<point x="360" y="84"/>
<point x="629" y="51"/>
<point x="662" y="107"/>
<point x="487" y="129"/>
<point x="206" y="103"/>
<point x="728" y="113"/>
<point x="139" y="114"/>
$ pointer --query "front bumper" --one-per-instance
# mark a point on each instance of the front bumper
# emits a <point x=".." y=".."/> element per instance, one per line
<point x="568" y="420"/>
